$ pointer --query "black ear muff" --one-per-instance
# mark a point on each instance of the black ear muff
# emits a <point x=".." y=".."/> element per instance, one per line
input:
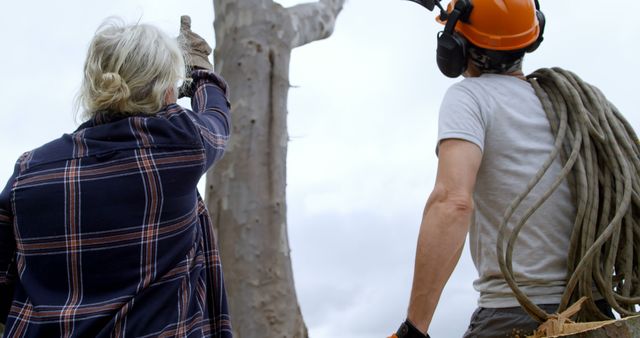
<point x="451" y="54"/>
<point x="541" y="23"/>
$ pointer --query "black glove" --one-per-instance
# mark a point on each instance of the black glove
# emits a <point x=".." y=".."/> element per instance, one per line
<point x="407" y="330"/>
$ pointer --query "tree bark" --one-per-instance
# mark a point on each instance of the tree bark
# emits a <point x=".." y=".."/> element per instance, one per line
<point x="246" y="189"/>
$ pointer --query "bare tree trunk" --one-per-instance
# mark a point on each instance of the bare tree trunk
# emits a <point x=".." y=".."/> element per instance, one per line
<point x="246" y="190"/>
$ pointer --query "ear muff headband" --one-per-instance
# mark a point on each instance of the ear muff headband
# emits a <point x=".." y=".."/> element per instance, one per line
<point x="451" y="54"/>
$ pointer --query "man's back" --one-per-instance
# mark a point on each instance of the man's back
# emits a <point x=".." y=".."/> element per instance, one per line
<point x="503" y="116"/>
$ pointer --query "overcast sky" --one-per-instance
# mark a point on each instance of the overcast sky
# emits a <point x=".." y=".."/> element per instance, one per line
<point x="362" y="120"/>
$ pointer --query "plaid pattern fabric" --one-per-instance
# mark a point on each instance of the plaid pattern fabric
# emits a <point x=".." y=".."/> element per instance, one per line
<point x="103" y="233"/>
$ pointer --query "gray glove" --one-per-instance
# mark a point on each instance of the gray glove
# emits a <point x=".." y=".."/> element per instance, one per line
<point x="196" y="48"/>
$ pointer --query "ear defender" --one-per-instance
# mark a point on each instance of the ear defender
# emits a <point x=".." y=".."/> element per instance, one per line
<point x="451" y="53"/>
<point x="541" y="23"/>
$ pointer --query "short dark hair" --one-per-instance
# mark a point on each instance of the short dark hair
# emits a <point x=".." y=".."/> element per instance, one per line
<point x="496" y="61"/>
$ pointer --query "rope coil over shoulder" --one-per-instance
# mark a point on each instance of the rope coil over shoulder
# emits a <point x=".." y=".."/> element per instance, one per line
<point x="600" y="155"/>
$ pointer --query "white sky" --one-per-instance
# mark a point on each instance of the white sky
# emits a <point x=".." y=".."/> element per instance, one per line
<point x="362" y="119"/>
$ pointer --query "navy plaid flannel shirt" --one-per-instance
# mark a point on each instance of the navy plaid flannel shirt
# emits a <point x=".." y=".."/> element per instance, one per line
<point x="103" y="232"/>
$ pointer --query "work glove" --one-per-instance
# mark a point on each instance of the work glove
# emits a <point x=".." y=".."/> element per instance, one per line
<point x="197" y="49"/>
<point x="197" y="52"/>
<point x="407" y="330"/>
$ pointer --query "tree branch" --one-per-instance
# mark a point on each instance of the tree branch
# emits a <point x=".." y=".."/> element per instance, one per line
<point x="314" y="21"/>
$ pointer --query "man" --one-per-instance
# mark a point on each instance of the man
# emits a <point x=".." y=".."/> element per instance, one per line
<point x="102" y="231"/>
<point x="493" y="136"/>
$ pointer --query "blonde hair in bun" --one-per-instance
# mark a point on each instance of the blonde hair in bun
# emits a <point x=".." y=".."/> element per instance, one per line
<point x="128" y="69"/>
<point x="115" y="92"/>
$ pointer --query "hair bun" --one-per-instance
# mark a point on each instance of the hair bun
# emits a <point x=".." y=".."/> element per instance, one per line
<point x="112" y="92"/>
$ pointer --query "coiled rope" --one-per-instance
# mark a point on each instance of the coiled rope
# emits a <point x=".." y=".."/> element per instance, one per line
<point x="600" y="154"/>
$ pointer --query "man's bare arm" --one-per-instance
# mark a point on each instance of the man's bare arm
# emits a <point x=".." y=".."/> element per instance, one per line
<point x="444" y="227"/>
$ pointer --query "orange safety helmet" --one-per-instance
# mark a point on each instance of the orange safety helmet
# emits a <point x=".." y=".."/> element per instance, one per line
<point x="499" y="24"/>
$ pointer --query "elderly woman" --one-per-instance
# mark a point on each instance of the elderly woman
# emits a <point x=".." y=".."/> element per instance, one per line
<point x="102" y="231"/>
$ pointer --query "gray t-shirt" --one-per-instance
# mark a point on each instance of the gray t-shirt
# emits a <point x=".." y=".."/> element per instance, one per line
<point x="503" y="116"/>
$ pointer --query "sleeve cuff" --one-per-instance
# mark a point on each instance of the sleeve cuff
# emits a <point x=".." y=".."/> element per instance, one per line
<point x="202" y="76"/>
